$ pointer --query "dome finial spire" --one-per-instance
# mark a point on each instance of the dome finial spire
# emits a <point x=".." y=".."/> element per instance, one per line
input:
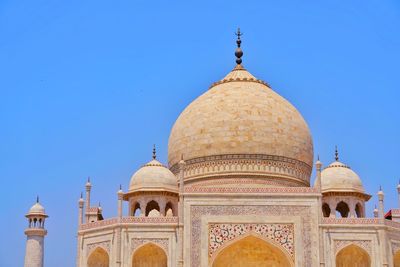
<point x="336" y="154"/>
<point x="154" y="152"/>
<point x="238" y="52"/>
<point x="37" y="199"/>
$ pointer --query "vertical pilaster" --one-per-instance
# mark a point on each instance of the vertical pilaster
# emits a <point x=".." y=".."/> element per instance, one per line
<point x="181" y="245"/>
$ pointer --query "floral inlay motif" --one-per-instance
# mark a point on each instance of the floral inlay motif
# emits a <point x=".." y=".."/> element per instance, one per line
<point x="219" y="234"/>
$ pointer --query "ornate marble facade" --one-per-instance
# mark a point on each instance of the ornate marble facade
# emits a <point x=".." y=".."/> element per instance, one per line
<point x="237" y="192"/>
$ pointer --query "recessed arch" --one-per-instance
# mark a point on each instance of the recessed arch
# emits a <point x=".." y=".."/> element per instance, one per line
<point x="252" y="251"/>
<point x="353" y="256"/>
<point x="396" y="259"/>
<point x="149" y="255"/>
<point x="98" y="258"/>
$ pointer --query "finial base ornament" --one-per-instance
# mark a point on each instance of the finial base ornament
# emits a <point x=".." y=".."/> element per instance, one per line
<point x="238" y="52"/>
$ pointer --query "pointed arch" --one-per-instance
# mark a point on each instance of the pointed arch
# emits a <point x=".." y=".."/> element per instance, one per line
<point x="343" y="209"/>
<point x="169" y="209"/>
<point x="326" y="210"/>
<point x="353" y="256"/>
<point x="152" y="206"/>
<point x="251" y="250"/>
<point x="149" y="255"/>
<point x="359" y="210"/>
<point x="396" y="259"/>
<point x="98" y="258"/>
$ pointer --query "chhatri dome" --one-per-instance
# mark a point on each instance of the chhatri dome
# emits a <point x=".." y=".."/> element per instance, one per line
<point x="153" y="176"/>
<point x="241" y="128"/>
<point x="338" y="177"/>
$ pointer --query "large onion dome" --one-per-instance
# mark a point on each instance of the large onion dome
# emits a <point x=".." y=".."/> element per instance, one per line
<point x="241" y="128"/>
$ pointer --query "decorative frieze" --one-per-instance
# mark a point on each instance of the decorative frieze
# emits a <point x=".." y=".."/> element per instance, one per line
<point x="222" y="233"/>
<point x="239" y="164"/>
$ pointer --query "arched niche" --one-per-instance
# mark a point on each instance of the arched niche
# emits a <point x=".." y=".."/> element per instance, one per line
<point x="149" y="255"/>
<point x="353" y="256"/>
<point x="396" y="259"/>
<point x="98" y="258"/>
<point x="252" y="251"/>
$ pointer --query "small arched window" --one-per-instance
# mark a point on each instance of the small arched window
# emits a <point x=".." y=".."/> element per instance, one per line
<point x="152" y="206"/>
<point x="343" y="209"/>
<point x="326" y="210"/>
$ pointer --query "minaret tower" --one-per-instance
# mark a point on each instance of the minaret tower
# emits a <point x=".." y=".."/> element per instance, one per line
<point x="35" y="236"/>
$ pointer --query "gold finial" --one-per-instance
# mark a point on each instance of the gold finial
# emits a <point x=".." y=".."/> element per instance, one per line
<point x="336" y="154"/>
<point x="238" y="52"/>
<point x="154" y="152"/>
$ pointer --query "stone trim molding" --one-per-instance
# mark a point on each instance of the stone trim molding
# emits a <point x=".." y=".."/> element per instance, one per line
<point x="221" y="234"/>
<point x="92" y="246"/>
<point x="240" y="80"/>
<point x="364" y="244"/>
<point x="139" y="242"/>
<point x="239" y="164"/>
<point x="351" y="221"/>
<point x="277" y="190"/>
<point x="129" y="220"/>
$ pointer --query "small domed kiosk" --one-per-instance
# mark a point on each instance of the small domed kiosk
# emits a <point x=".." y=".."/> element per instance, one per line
<point x="153" y="190"/>
<point x="343" y="194"/>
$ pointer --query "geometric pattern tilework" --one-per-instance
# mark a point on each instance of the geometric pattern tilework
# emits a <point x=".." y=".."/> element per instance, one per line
<point x="365" y="244"/>
<point x="197" y="212"/>
<point x="219" y="234"/>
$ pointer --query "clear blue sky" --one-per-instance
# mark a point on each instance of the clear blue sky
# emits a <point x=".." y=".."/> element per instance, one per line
<point x="87" y="87"/>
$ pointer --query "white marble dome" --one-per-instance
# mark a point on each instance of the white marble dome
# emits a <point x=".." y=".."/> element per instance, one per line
<point x="242" y="118"/>
<point x="338" y="177"/>
<point x="37" y="209"/>
<point x="153" y="176"/>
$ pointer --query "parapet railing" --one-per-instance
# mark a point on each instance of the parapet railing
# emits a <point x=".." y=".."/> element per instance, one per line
<point x="129" y="220"/>
<point x="351" y="221"/>
<point x="362" y="221"/>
